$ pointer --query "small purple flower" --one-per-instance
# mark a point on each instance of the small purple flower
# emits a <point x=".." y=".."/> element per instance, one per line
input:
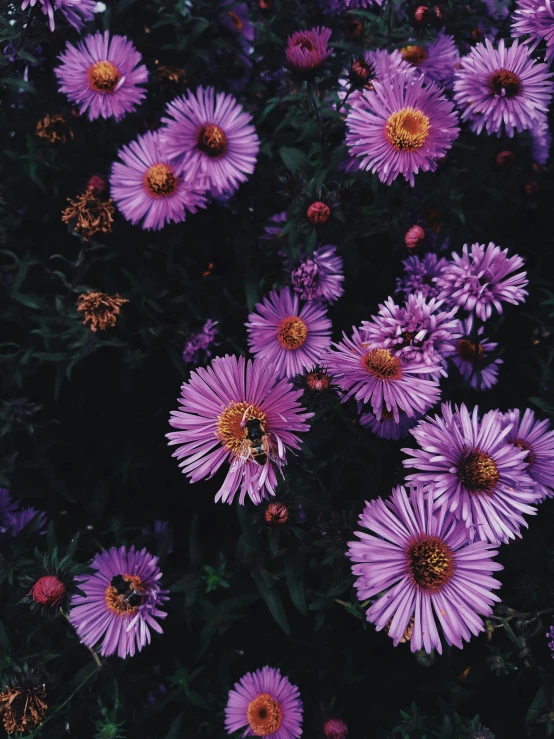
<point x="338" y="6"/>
<point x="275" y="226"/>
<point x="474" y="472"/>
<point x="47" y="8"/>
<point x="550" y="637"/>
<point x="199" y="346"/>
<point x="102" y="75"/>
<point x="537" y="438"/>
<point x="385" y="427"/>
<point x="234" y="17"/>
<point x="535" y="19"/>
<point x="502" y="89"/>
<point x="419" y="275"/>
<point x="469" y="353"/>
<point x="482" y="279"/>
<point x="7" y="506"/>
<point x="210" y="139"/>
<point x="307" y="50"/>
<point x="321" y="277"/>
<point x="372" y="66"/>
<point x="421" y="573"/>
<point x="146" y="187"/>
<point x="542" y="139"/>
<point x="417" y="330"/>
<point x="15" y="522"/>
<point x="373" y="375"/>
<point x="267" y="704"/>
<point x="401" y="128"/>
<point x="120" y="603"/>
<point x="77" y="12"/>
<point x="437" y="62"/>
<point x="290" y="336"/>
<point x="162" y="535"/>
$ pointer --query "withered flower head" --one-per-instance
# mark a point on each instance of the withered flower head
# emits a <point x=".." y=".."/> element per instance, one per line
<point x="319" y="392"/>
<point x="101" y="310"/>
<point x="22" y="706"/>
<point x="54" y="129"/>
<point x="170" y="73"/>
<point x="354" y="27"/>
<point x="89" y="215"/>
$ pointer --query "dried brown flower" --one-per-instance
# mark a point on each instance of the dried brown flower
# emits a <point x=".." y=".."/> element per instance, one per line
<point x="101" y="310"/>
<point x="54" y="129"/>
<point x="170" y="73"/>
<point x="88" y="215"/>
<point x="22" y="708"/>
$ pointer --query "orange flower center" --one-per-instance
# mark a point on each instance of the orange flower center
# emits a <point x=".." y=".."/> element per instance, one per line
<point x="264" y="715"/>
<point x="506" y="83"/>
<point x="104" y="76"/>
<point x="407" y="129"/>
<point x="160" y="180"/>
<point x="292" y="332"/>
<point x="531" y="458"/>
<point x="414" y="55"/>
<point x="237" y="23"/>
<point x="478" y="472"/>
<point x="430" y="563"/>
<point x="469" y="351"/>
<point x="212" y="141"/>
<point x="229" y="429"/>
<point x="381" y="364"/>
<point x="125" y="599"/>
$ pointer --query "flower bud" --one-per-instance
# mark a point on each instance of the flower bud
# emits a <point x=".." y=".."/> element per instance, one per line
<point x="335" y="728"/>
<point x="318" y="213"/>
<point x="415" y="236"/>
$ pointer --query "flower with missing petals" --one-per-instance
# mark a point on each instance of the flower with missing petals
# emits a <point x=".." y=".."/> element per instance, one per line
<point x="470" y="352"/>
<point x="474" y="472"/>
<point x="88" y="215"/>
<point x="537" y="438"/>
<point x="120" y="603"/>
<point x="100" y="310"/>
<point x="307" y="50"/>
<point x="535" y="20"/>
<point x="401" y="128"/>
<point x="483" y="279"/>
<point x="292" y="337"/>
<point x="436" y="62"/>
<point x="199" y="345"/>
<point x="321" y="277"/>
<point x="102" y="75"/>
<point x="219" y="404"/>
<point x="22" y="705"/>
<point x="502" y="89"/>
<point x="417" y="564"/>
<point x="267" y="704"/>
<point x="54" y="129"/>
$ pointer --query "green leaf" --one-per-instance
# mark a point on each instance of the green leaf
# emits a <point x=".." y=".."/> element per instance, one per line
<point x="195" y="550"/>
<point x="294" y="568"/>
<point x="295" y="160"/>
<point x="268" y="589"/>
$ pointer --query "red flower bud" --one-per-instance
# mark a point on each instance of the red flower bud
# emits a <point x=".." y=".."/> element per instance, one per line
<point x="318" y="213"/>
<point x="48" y="591"/>
<point x="97" y="184"/>
<point x="276" y="514"/>
<point x="505" y="158"/>
<point x="334" y="728"/>
<point x="421" y="14"/>
<point x="414" y="237"/>
<point x="354" y="28"/>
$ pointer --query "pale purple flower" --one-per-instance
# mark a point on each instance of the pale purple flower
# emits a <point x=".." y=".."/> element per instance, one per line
<point x="211" y="139"/>
<point x="77" y="12"/>
<point x="422" y="574"/>
<point x="216" y="404"/>
<point x="535" y="19"/>
<point x="292" y="337"/>
<point x="373" y="66"/>
<point x="473" y="472"/>
<point x="542" y="139"/>
<point x="120" y="603"/>
<point x="470" y="353"/>
<point x="436" y="62"/>
<point x="401" y="128"/>
<point x="502" y="90"/>
<point x="373" y="375"/>
<point x="483" y="278"/>
<point x="417" y="330"/>
<point x="307" y="50"/>
<point x="199" y="346"/>
<point x="419" y="275"/>
<point x="146" y="187"/>
<point x="321" y="277"/>
<point x="385" y="427"/>
<point x="102" y="75"/>
<point x="537" y="438"/>
<point x="267" y="704"/>
<point x="234" y="17"/>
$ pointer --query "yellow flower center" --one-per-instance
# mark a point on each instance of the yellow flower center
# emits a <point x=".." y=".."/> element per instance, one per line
<point x="229" y="429"/>
<point x="469" y="351"/>
<point x="292" y="332"/>
<point x="104" y="76"/>
<point x="381" y="364"/>
<point x="414" y="55"/>
<point x="160" y="180"/>
<point x="478" y="472"/>
<point x="407" y="129"/>
<point x="264" y="715"/>
<point x="212" y="141"/>
<point x="430" y="563"/>
<point x="123" y="600"/>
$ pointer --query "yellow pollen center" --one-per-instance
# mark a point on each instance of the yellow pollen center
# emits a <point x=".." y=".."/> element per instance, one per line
<point x="264" y="715"/>
<point x="292" y="332"/>
<point x="116" y="602"/>
<point x="430" y="563"/>
<point x="104" y="76"/>
<point x="381" y="364"/>
<point x="478" y="472"/>
<point x="212" y="141"/>
<point x="160" y="180"/>
<point x="506" y="83"/>
<point x="469" y="351"/>
<point x="238" y="24"/>
<point x="407" y="129"/>
<point x="229" y="430"/>
<point x="531" y="458"/>
<point x="414" y="55"/>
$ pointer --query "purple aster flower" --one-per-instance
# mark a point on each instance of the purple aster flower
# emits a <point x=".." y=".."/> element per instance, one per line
<point x="419" y="274"/>
<point x="162" y="535"/>
<point x="535" y="19"/>
<point x="538" y="439"/>
<point x="146" y="187"/>
<point x="437" y="62"/>
<point x="385" y="427"/>
<point x="542" y="139"/>
<point x="373" y="375"/>
<point x="417" y="330"/>
<point x="15" y="521"/>
<point x="401" y="128"/>
<point x="502" y="89"/>
<point x="102" y="75"/>
<point x="199" y="346"/>
<point x="267" y="704"/>
<point x="338" y="6"/>
<point x="234" y="17"/>
<point x="219" y="405"/>
<point x="7" y="507"/>
<point x="47" y="8"/>
<point x="209" y="137"/>
<point x="307" y="50"/>
<point x="550" y="636"/>
<point x="321" y="277"/>
<point x="474" y="472"/>
<point x="291" y="337"/>
<point x="422" y="572"/>
<point x="470" y="353"/>
<point x="482" y="279"/>
<point x="77" y="12"/>
<point x="120" y="603"/>
<point x="372" y="66"/>
<point x="275" y="226"/>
